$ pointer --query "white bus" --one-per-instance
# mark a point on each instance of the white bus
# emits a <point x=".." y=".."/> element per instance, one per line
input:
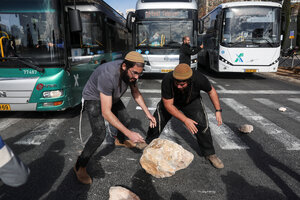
<point x="158" y="27"/>
<point x="241" y="37"/>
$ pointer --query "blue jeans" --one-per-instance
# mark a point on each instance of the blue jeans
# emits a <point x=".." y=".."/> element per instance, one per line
<point x="97" y="123"/>
<point x="194" y="111"/>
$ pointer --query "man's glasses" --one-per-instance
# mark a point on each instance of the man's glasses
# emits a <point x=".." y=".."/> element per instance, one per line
<point x="133" y="73"/>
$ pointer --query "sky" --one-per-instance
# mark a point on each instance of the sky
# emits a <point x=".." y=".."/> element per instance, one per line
<point x="121" y="5"/>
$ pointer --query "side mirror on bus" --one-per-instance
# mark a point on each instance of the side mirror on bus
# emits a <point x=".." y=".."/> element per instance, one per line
<point x="129" y="22"/>
<point x="200" y="26"/>
<point x="75" y="20"/>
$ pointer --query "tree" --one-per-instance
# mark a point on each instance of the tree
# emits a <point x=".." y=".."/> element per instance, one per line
<point x="285" y="17"/>
<point x="298" y="28"/>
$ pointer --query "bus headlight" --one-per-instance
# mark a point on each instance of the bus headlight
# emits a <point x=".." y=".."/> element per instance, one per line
<point x="53" y="94"/>
<point x="194" y="61"/>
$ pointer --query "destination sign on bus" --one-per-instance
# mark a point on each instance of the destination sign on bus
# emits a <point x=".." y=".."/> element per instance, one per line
<point x="180" y="14"/>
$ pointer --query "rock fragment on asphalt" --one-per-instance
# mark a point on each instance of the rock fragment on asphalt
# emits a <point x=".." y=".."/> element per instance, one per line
<point x="120" y="193"/>
<point x="246" y="128"/>
<point x="282" y="109"/>
<point x="162" y="158"/>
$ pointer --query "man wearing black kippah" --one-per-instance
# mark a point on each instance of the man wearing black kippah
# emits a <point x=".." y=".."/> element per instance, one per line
<point x="180" y="91"/>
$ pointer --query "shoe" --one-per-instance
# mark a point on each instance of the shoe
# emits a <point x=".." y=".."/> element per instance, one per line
<point x="215" y="161"/>
<point x="127" y="143"/>
<point x="82" y="175"/>
<point x="141" y="145"/>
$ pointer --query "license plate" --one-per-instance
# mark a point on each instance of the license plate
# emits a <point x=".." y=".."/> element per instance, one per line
<point x="4" y="107"/>
<point x="166" y="70"/>
<point x="250" y="70"/>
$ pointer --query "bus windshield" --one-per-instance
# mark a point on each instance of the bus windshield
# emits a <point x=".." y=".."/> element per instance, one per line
<point x="163" y="34"/>
<point x="251" y="27"/>
<point x="33" y="30"/>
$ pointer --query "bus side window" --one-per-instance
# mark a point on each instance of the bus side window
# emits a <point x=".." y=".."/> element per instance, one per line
<point x="90" y="41"/>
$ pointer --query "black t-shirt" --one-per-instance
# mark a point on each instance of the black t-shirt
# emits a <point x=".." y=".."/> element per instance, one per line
<point x="198" y="82"/>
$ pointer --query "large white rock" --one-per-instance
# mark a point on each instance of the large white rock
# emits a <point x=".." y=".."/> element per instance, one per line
<point x="120" y="193"/>
<point x="246" y="128"/>
<point x="162" y="158"/>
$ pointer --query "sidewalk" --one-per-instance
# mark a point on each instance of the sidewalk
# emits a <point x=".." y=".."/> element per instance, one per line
<point x="286" y="74"/>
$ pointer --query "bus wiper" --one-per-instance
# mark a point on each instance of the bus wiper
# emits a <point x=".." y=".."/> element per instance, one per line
<point x="268" y="42"/>
<point x="25" y="62"/>
<point x="232" y="44"/>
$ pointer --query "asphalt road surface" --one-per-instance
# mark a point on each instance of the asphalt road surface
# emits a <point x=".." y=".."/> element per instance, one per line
<point x="264" y="164"/>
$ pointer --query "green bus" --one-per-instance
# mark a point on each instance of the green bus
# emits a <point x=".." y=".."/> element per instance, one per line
<point x="49" y="48"/>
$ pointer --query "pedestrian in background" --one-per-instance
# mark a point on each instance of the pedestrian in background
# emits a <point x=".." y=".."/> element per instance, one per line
<point x="186" y="51"/>
<point x="180" y="91"/>
<point x="101" y="95"/>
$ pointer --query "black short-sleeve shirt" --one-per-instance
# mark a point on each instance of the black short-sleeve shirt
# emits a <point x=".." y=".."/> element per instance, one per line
<point x="198" y="82"/>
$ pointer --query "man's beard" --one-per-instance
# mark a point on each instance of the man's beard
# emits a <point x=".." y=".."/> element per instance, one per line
<point x="126" y="78"/>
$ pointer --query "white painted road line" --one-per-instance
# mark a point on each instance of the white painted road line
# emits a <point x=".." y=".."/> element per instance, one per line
<point x="149" y="108"/>
<point x="221" y="87"/>
<point x="224" y="136"/>
<point x="40" y="133"/>
<point x="125" y="100"/>
<point x="258" y="92"/>
<point x="151" y="103"/>
<point x="288" y="140"/>
<point x="212" y="81"/>
<point x="289" y="112"/>
<point x="296" y="100"/>
<point x="155" y="91"/>
<point x="7" y="122"/>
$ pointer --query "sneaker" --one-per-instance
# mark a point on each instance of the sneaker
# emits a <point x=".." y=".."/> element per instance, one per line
<point x="82" y="175"/>
<point x="215" y="161"/>
<point x="127" y="143"/>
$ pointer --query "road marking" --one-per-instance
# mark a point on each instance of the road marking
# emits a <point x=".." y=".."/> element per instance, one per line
<point x="125" y="100"/>
<point x="258" y="92"/>
<point x="289" y="141"/>
<point x="224" y="136"/>
<point x="221" y="87"/>
<point x="155" y="91"/>
<point x="7" y="122"/>
<point x="212" y="81"/>
<point x="296" y="100"/>
<point x="149" y="108"/>
<point x="38" y="135"/>
<point x="151" y="103"/>
<point x="289" y="112"/>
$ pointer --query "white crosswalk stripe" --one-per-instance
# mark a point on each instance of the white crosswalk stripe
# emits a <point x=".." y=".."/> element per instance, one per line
<point x="7" y="122"/>
<point x="224" y="136"/>
<point x="125" y="100"/>
<point x="288" y="140"/>
<point x="40" y="133"/>
<point x="151" y="103"/>
<point x="296" y="100"/>
<point x="289" y="112"/>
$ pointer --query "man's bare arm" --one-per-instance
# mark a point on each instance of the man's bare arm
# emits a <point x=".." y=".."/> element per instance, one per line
<point x="106" y="105"/>
<point x="189" y="123"/>
<point x="215" y="101"/>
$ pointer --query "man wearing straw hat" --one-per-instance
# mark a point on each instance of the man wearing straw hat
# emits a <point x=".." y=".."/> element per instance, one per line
<point x="101" y="96"/>
<point x="181" y="98"/>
